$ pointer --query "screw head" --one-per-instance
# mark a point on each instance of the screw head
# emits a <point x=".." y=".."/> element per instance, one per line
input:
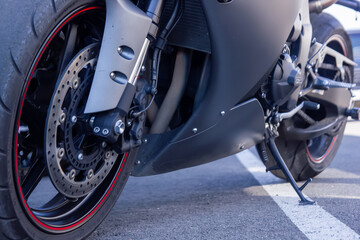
<point x="143" y="68"/>
<point x="263" y="95"/>
<point x="61" y="153"/>
<point x="222" y="113"/>
<point x="105" y="131"/>
<point x="195" y="130"/>
<point x="72" y="174"/>
<point x="107" y="154"/>
<point x="137" y="162"/>
<point x="62" y="117"/>
<point x="103" y="144"/>
<point x="80" y="156"/>
<point x="90" y="174"/>
<point x="96" y="129"/>
<point x="21" y="153"/>
<point x="119" y="127"/>
<point x="75" y="84"/>
<point x="73" y="119"/>
<point x="145" y="140"/>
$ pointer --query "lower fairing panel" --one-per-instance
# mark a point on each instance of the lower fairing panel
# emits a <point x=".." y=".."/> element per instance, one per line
<point x="239" y="129"/>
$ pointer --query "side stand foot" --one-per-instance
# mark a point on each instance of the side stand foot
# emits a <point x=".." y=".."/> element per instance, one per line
<point x="280" y="161"/>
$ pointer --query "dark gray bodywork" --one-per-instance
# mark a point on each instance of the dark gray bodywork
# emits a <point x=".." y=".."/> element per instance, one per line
<point x="246" y="37"/>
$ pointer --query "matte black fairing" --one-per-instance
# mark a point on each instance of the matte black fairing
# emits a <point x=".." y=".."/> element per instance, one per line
<point x="242" y="127"/>
<point x="247" y="37"/>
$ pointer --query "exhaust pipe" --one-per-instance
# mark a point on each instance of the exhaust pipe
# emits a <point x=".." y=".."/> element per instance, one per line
<point x="319" y="5"/>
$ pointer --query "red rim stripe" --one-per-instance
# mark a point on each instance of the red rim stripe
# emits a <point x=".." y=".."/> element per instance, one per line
<point x="333" y="141"/>
<point x="18" y="125"/>
<point x="324" y="156"/>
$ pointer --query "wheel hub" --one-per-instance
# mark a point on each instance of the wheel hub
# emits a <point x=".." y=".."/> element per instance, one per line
<point x="77" y="160"/>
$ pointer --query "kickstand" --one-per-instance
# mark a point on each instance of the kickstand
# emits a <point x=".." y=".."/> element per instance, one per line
<point x="281" y="164"/>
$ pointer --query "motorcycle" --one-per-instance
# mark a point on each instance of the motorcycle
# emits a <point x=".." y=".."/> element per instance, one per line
<point x="95" y="91"/>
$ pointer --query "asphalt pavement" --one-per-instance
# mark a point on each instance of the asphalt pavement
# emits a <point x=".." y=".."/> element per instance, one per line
<point x="233" y="198"/>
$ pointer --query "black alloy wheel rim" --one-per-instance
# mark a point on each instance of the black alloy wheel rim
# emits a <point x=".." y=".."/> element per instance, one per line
<point x="57" y="213"/>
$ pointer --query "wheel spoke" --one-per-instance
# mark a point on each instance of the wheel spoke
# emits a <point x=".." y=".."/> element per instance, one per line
<point x="70" y="42"/>
<point x="33" y="177"/>
<point x="33" y="114"/>
<point x="59" y="207"/>
<point x="55" y="203"/>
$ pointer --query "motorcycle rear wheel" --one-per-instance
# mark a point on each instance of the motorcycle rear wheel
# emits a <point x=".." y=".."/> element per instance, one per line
<point x="32" y="65"/>
<point x="307" y="159"/>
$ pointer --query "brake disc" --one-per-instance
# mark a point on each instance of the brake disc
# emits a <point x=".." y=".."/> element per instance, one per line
<point x="77" y="160"/>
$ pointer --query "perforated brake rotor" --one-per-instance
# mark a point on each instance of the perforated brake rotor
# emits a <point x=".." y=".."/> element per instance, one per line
<point x="77" y="160"/>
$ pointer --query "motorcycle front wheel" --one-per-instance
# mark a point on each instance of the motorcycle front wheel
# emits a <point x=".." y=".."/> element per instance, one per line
<point x="57" y="180"/>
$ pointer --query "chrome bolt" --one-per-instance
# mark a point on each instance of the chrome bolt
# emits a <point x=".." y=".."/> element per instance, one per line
<point x="61" y="153"/>
<point x="195" y="130"/>
<point x="112" y="75"/>
<point x="91" y="121"/>
<point x="128" y="123"/>
<point x="73" y="119"/>
<point x="90" y="174"/>
<point x="108" y="155"/>
<point x="137" y="162"/>
<point x="119" y="127"/>
<point x="80" y="156"/>
<point x="72" y="174"/>
<point x="143" y="68"/>
<point x="96" y="129"/>
<point x="263" y="95"/>
<point x="105" y="131"/>
<point x="75" y="83"/>
<point x="103" y="144"/>
<point x="21" y="153"/>
<point x="62" y="117"/>
<point x="222" y="113"/>
<point x="145" y="140"/>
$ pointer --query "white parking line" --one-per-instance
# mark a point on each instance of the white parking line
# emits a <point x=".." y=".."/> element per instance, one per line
<point x="312" y="220"/>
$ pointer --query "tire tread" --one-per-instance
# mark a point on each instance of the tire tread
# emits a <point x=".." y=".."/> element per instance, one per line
<point x="33" y="28"/>
<point x="13" y="62"/>
<point x="54" y="6"/>
<point x="4" y="106"/>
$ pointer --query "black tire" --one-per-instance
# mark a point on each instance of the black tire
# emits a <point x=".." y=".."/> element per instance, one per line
<point x="25" y="27"/>
<point x="296" y="154"/>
